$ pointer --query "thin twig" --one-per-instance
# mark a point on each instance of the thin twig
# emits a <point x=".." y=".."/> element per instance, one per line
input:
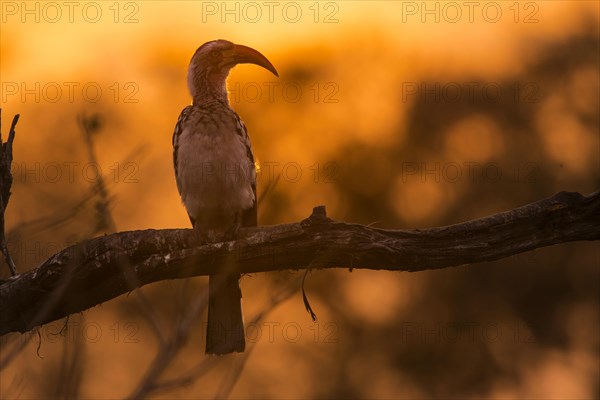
<point x="16" y="348"/>
<point x="193" y="374"/>
<point x="276" y="299"/>
<point x="147" y="310"/>
<point x="90" y="126"/>
<point x="171" y="348"/>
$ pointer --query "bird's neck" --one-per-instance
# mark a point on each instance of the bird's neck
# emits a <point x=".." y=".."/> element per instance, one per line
<point x="208" y="88"/>
<point x="210" y="94"/>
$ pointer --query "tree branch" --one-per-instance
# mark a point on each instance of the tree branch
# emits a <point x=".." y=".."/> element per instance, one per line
<point x="6" y="180"/>
<point x="100" y="269"/>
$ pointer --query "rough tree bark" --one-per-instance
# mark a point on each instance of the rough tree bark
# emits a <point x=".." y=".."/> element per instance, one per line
<point x="100" y="269"/>
<point x="6" y="180"/>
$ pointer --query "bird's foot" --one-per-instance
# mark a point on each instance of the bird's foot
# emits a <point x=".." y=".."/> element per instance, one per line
<point x="231" y="233"/>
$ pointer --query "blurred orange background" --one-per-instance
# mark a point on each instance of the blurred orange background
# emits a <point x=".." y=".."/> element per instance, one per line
<point x="398" y="114"/>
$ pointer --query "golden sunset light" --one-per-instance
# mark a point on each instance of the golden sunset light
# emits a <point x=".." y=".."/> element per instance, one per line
<point x="394" y="115"/>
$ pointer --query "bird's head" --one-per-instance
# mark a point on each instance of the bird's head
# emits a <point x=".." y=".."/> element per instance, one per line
<point x="211" y="63"/>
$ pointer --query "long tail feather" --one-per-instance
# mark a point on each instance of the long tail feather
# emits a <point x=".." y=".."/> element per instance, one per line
<point x="225" y="332"/>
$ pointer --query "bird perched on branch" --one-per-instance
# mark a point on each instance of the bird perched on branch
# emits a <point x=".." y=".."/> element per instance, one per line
<point x="216" y="177"/>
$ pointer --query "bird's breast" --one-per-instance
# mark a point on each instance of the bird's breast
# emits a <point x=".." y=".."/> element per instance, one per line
<point x="214" y="171"/>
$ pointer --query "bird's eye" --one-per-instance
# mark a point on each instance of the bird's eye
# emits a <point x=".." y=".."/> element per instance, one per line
<point x="215" y="53"/>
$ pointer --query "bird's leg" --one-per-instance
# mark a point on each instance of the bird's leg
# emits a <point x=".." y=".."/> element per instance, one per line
<point x="231" y="233"/>
<point x="202" y="236"/>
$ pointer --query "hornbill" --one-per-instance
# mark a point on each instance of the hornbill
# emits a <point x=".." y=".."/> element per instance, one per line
<point x="216" y="177"/>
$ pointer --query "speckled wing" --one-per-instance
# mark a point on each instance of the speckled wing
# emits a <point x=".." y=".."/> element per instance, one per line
<point x="185" y="113"/>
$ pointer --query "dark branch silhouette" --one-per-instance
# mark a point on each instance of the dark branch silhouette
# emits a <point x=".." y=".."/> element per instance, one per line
<point x="102" y="268"/>
<point x="6" y="180"/>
